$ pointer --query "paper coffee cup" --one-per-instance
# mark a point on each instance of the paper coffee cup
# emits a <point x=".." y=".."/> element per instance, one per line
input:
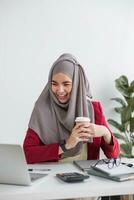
<point x="84" y="120"/>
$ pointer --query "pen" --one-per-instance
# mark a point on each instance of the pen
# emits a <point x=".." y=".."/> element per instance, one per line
<point x="30" y="169"/>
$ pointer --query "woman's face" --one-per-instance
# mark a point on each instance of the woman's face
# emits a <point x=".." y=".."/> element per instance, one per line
<point x="61" y="87"/>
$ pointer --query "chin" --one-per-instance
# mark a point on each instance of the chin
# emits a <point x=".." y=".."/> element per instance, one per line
<point x="63" y="102"/>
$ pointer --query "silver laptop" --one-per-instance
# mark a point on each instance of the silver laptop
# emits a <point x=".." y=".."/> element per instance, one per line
<point x="13" y="166"/>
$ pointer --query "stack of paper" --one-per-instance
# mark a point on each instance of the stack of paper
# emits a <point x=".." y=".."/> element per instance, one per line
<point x="120" y="173"/>
<point x="116" y="170"/>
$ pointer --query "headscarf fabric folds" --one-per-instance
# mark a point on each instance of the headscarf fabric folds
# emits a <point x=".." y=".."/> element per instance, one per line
<point x="52" y="120"/>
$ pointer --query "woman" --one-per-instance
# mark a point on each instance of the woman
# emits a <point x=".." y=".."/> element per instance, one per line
<point x="52" y="134"/>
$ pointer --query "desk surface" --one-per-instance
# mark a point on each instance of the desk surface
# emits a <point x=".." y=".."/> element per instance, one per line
<point x="52" y="188"/>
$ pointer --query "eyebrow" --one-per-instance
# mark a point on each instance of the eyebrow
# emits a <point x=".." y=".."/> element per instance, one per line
<point x="62" y="82"/>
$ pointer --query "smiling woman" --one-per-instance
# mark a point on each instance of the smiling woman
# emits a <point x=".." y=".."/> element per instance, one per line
<point x="61" y="87"/>
<point x="53" y="134"/>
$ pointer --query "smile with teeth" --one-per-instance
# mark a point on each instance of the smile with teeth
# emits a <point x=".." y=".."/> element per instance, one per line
<point x="62" y="97"/>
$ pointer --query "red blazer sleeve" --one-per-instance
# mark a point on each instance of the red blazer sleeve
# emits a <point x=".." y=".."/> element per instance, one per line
<point x="36" y="151"/>
<point x="110" y="150"/>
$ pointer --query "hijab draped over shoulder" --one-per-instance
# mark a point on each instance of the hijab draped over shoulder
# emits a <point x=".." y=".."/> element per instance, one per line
<point x="52" y="120"/>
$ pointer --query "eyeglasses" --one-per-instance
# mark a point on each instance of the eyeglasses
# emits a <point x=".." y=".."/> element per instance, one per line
<point x="110" y="162"/>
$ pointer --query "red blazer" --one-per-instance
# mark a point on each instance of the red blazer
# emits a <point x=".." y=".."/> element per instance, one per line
<point x="36" y="151"/>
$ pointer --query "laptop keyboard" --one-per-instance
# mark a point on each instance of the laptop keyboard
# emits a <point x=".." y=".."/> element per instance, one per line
<point x="35" y="176"/>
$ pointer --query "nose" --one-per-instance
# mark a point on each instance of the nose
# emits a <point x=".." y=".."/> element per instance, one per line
<point x="60" y="88"/>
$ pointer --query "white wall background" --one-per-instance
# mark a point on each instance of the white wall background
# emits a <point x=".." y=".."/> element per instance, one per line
<point x="33" y="33"/>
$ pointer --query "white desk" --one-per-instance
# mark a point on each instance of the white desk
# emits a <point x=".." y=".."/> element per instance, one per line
<point x="52" y="188"/>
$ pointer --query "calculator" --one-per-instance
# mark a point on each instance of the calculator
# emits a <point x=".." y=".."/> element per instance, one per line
<point x="72" y="177"/>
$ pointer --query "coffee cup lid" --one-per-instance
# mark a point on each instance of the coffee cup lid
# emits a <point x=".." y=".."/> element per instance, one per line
<point x="82" y="119"/>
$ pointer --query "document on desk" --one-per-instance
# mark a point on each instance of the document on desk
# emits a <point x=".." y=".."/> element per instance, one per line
<point x="116" y="170"/>
<point x="120" y="173"/>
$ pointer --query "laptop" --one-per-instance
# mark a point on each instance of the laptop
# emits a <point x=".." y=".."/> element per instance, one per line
<point x="13" y="166"/>
<point x="88" y="166"/>
<point x="84" y="165"/>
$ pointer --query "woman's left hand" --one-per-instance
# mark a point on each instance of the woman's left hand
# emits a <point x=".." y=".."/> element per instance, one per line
<point x="99" y="131"/>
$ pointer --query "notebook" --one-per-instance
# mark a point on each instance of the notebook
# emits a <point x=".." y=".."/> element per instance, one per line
<point x="13" y="166"/>
<point x="115" y="170"/>
<point x="123" y="173"/>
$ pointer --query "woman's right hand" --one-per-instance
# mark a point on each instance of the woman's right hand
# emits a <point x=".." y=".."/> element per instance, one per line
<point x="79" y="133"/>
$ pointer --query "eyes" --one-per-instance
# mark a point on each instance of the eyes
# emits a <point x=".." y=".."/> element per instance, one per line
<point x="65" y="84"/>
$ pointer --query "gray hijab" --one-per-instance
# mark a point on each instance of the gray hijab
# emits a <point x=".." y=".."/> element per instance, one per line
<point x="52" y="120"/>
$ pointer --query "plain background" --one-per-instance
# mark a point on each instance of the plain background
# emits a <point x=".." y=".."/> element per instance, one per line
<point x="33" y="33"/>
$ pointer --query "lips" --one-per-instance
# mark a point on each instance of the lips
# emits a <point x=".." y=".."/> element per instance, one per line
<point x="62" y="98"/>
